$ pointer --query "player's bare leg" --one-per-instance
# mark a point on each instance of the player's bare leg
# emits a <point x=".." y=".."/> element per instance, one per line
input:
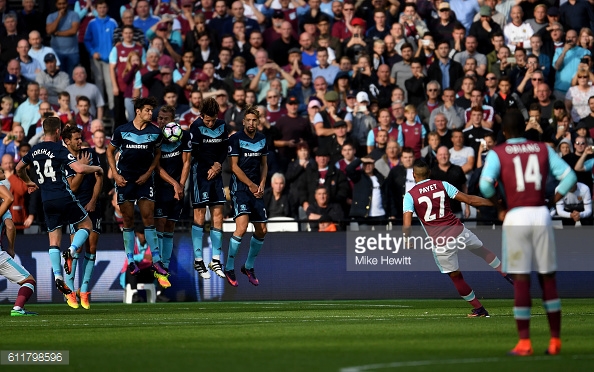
<point x="147" y="210"/>
<point x="255" y="246"/>
<point x="467" y="294"/>
<point x="522" y="307"/>
<point x="10" y="233"/>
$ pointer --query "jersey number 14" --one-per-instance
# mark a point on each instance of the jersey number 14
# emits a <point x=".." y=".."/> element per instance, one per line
<point x="48" y="171"/>
<point x="530" y="175"/>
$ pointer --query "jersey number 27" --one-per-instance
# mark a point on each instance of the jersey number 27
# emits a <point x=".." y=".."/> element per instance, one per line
<point x="429" y="203"/>
<point x="48" y="171"/>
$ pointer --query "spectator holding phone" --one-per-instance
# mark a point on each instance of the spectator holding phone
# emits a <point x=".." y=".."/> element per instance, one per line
<point x="10" y="144"/>
<point x="566" y="61"/>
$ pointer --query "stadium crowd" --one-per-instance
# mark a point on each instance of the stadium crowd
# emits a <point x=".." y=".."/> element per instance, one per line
<point x="350" y="93"/>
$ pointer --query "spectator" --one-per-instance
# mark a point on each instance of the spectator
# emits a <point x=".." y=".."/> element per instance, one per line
<point x="443" y="26"/>
<point x="342" y="28"/>
<point x="355" y="45"/>
<point x="64" y="112"/>
<point x="144" y="20"/>
<point x="390" y="159"/>
<point x="29" y="19"/>
<point x="490" y="142"/>
<point x="363" y="122"/>
<point x="238" y="14"/>
<point x="168" y="41"/>
<point x="402" y="71"/>
<point x="460" y="155"/>
<point x="28" y="112"/>
<point x="18" y="188"/>
<point x="412" y="133"/>
<point x="38" y="51"/>
<point x="29" y="66"/>
<point x="444" y="170"/>
<point x="475" y="133"/>
<point x="10" y="89"/>
<point x="566" y="61"/>
<point x="577" y="97"/>
<point x="576" y="14"/>
<point x="368" y="191"/>
<point x="499" y="18"/>
<point x="276" y="198"/>
<point x="399" y="181"/>
<point x="321" y="207"/>
<point x="379" y="150"/>
<point x="539" y="22"/>
<point x="324" y="174"/>
<point x="159" y="80"/>
<point x="324" y="69"/>
<point x="128" y="20"/>
<point x="271" y="70"/>
<point x="471" y="45"/>
<point x="579" y="148"/>
<point x="426" y="107"/>
<point x="429" y="152"/>
<point x="6" y="116"/>
<point x="454" y="114"/>
<point x="441" y="128"/>
<point x="54" y="80"/>
<point x="543" y="59"/>
<point x="10" y="39"/>
<point x="484" y="28"/>
<point x="234" y="116"/>
<point x="98" y="41"/>
<point x="465" y="11"/>
<point x="339" y="139"/>
<point x="517" y="33"/>
<point x="11" y="143"/>
<point x="444" y="70"/>
<point x="82" y="88"/>
<point x="296" y="171"/>
<point x="497" y="40"/>
<point x="476" y="100"/>
<point x="84" y="118"/>
<point x="576" y="206"/>
<point x="63" y="28"/>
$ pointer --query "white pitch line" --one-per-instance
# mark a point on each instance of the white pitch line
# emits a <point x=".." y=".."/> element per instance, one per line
<point x="418" y="363"/>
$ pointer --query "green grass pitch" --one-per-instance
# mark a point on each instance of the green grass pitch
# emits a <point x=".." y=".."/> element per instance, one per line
<point x="344" y="336"/>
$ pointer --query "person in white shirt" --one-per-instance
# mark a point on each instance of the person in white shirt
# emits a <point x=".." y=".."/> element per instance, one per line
<point x="576" y="206"/>
<point x="517" y="33"/>
<point x="460" y="155"/>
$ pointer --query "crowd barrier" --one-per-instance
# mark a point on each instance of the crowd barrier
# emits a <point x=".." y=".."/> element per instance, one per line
<point x="305" y="266"/>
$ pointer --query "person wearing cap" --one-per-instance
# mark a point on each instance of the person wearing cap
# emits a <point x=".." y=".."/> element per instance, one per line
<point x="484" y="28"/>
<point x="271" y="34"/>
<point x="98" y="42"/>
<point x="339" y="138"/>
<point x="29" y="66"/>
<point x="324" y="69"/>
<point x="295" y="66"/>
<point x="576" y="14"/>
<point x="355" y="45"/>
<point x="369" y="193"/>
<point x="334" y="112"/>
<point x="293" y="129"/>
<point x="363" y="122"/>
<point x="10" y="89"/>
<point x="495" y="15"/>
<point x="54" y="80"/>
<point x="323" y="173"/>
<point x="63" y="27"/>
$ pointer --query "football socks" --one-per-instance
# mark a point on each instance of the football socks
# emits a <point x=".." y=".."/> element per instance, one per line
<point x="88" y="266"/>
<point x="255" y="246"/>
<point x="129" y="240"/>
<point x="167" y="248"/>
<point x="197" y="232"/>
<point x="234" y="244"/>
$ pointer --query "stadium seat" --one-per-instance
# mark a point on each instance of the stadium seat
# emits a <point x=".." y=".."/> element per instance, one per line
<point x="288" y="224"/>
<point x="151" y="292"/>
<point x="229" y="226"/>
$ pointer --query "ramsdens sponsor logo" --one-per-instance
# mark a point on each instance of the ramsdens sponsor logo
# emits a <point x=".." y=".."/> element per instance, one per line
<point x="139" y="147"/>
<point x="170" y="155"/>
<point x="250" y="154"/>
<point x="212" y="140"/>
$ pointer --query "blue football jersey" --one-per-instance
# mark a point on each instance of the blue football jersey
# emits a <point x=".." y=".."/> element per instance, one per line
<point x="84" y="194"/>
<point x="137" y="149"/>
<point x="209" y="145"/>
<point x="50" y="160"/>
<point x="172" y="160"/>
<point x="249" y="152"/>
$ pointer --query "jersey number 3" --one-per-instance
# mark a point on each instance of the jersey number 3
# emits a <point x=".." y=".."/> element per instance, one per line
<point x="48" y="171"/>
<point x="429" y="203"/>
<point x="530" y="175"/>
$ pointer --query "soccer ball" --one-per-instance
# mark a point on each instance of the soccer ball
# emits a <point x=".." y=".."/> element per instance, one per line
<point x="172" y="132"/>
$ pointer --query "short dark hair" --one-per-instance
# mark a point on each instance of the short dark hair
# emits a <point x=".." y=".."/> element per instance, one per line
<point x="421" y="169"/>
<point x="408" y="150"/>
<point x="69" y="131"/>
<point x="51" y="125"/>
<point x="534" y="107"/>
<point x="166" y="109"/>
<point x="513" y="123"/>
<point x="140" y="102"/>
<point x="83" y="98"/>
<point x="210" y="107"/>
<point x="170" y="89"/>
<point x="407" y="45"/>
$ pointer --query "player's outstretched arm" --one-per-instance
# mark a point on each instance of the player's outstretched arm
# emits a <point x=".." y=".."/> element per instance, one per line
<point x="475" y="201"/>
<point x="238" y="172"/>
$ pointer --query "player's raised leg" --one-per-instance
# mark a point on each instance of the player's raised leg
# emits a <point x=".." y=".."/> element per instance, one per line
<point x="493" y="261"/>
<point x="147" y="210"/>
<point x="241" y="224"/>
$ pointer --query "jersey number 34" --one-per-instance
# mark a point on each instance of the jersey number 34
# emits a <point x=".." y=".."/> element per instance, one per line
<point x="48" y="171"/>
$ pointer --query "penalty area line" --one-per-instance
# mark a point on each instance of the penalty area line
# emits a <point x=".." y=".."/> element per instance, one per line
<point x="418" y="363"/>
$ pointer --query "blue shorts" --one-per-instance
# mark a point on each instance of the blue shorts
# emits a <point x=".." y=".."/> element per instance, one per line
<point x="244" y="202"/>
<point x="64" y="211"/>
<point x="96" y="219"/>
<point x="171" y="209"/>
<point x="132" y="192"/>
<point x="206" y="192"/>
